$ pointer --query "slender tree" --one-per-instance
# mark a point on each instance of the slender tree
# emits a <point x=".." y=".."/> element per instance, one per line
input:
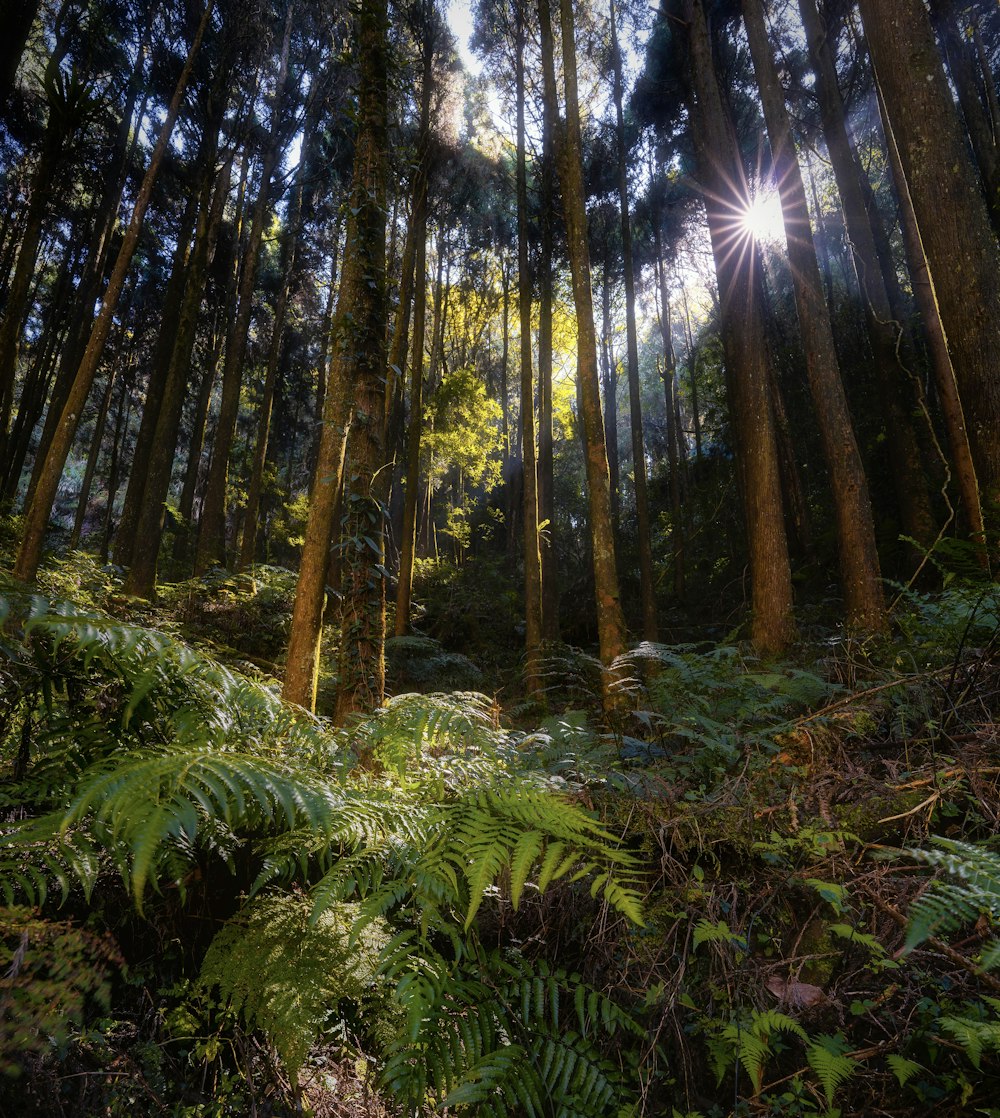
<point x="726" y="201"/>
<point x="610" y="621"/>
<point x="358" y="348"/>
<point x="643" y="534"/>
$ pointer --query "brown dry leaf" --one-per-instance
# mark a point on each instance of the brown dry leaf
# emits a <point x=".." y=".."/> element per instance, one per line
<point x="801" y="995"/>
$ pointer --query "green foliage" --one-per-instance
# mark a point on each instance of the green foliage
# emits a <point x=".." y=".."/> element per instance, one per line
<point x="827" y="1057"/>
<point x="719" y="700"/>
<point x="948" y="906"/>
<point x="50" y="970"/>
<point x="155" y="763"/>
<point x="284" y="973"/>
<point x="512" y="1039"/>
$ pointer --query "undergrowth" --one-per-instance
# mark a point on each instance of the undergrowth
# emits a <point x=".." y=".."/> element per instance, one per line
<point x="771" y="888"/>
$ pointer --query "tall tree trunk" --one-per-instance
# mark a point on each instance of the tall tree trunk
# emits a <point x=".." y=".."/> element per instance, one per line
<point x="609" y="387"/>
<point x="418" y="219"/>
<point x="859" y="563"/>
<point x="212" y="528"/>
<point x="122" y="416"/>
<point x="173" y="298"/>
<point x="64" y="116"/>
<point x="944" y="375"/>
<point x="37" y="515"/>
<point x="361" y="660"/>
<point x="18" y="20"/>
<point x="726" y="193"/>
<point x="141" y="579"/>
<point x="692" y="358"/>
<point x="358" y="352"/>
<point x="546" y="487"/>
<point x="83" y="500"/>
<point x="961" y="250"/>
<point x="883" y="311"/>
<point x="643" y="534"/>
<point x="673" y="426"/>
<point x="532" y="555"/>
<point x="610" y="621"/>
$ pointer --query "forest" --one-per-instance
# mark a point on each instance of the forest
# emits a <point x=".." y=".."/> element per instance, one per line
<point x="499" y="533"/>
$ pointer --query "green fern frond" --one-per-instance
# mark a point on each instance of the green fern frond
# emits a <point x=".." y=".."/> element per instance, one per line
<point x="826" y="1056"/>
<point x="902" y="1068"/>
<point x="949" y="905"/>
<point x="282" y="972"/>
<point x="973" y="1035"/>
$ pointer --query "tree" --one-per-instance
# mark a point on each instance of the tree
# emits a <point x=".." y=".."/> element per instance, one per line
<point x="610" y="621"/>
<point x="37" y="515"/>
<point x="881" y="297"/>
<point x="855" y="527"/>
<point x="358" y="351"/>
<point x="962" y="251"/>
<point x="726" y="201"/>
<point x="532" y="555"/>
<point x="643" y="540"/>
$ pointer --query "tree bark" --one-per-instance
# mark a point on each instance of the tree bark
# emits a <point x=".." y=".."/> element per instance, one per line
<point x="944" y="375"/>
<point x="546" y="487"/>
<point x="141" y="578"/>
<point x="647" y="587"/>
<point x="532" y="555"/>
<point x="212" y="528"/>
<point x="883" y="309"/>
<point x="421" y="184"/>
<point x="958" y="52"/>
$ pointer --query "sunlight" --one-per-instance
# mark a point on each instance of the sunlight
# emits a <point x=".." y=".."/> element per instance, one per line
<point x="762" y="219"/>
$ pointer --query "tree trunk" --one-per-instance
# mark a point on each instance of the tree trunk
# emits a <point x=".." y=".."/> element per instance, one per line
<point x="883" y="312"/>
<point x="609" y="387"/>
<point x="610" y="621"/>
<point x="141" y="579"/>
<point x="643" y="534"/>
<point x="532" y="555"/>
<point x="358" y="352"/>
<point x="961" y="250"/>
<point x="18" y="20"/>
<point x="83" y="500"/>
<point x="418" y="219"/>
<point x="726" y="193"/>
<point x="212" y="527"/>
<point x="859" y="561"/>
<point x="546" y="487"/>
<point x="37" y="515"/>
<point x="944" y="375"/>
<point x="361" y="661"/>
<point x="173" y="298"/>
<point x="673" y="426"/>
<point x="958" y="52"/>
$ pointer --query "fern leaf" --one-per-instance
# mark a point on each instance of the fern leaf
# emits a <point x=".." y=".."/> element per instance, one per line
<point x="832" y="1067"/>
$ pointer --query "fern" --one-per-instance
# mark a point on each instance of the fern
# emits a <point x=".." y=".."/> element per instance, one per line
<point x="150" y="756"/>
<point x="282" y="972"/>
<point x="974" y="1036"/>
<point x="511" y="1040"/>
<point x="833" y="1068"/>
<point x="947" y="906"/>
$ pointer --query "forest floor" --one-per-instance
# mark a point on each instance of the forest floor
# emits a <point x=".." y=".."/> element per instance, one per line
<point x="812" y="842"/>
